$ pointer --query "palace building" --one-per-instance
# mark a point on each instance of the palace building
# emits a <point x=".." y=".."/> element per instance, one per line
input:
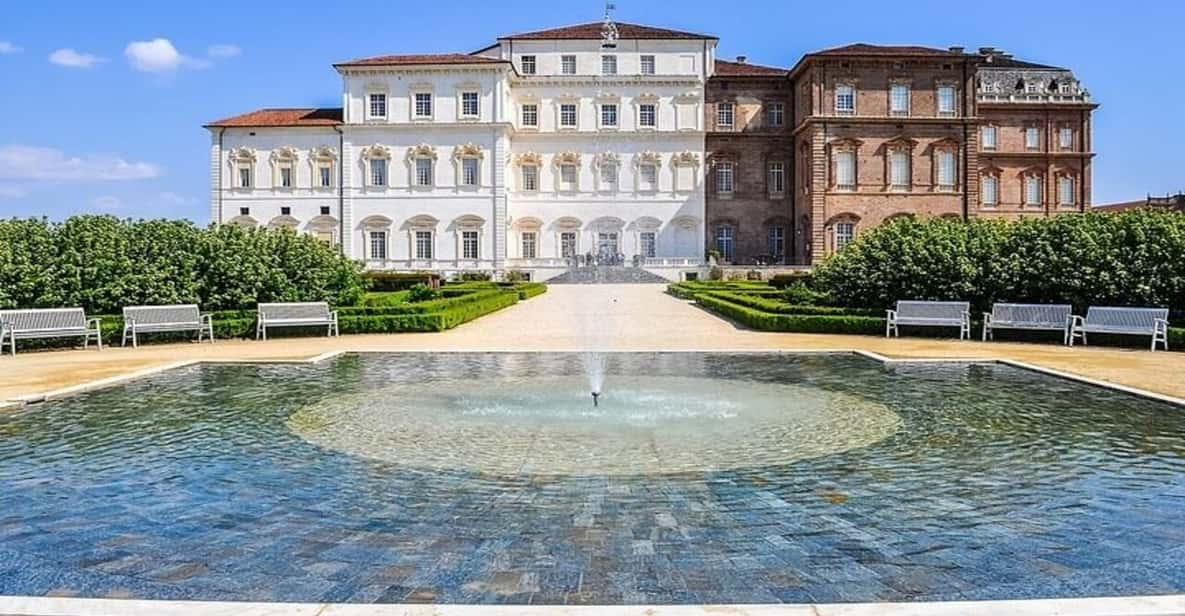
<point x="634" y="143"/>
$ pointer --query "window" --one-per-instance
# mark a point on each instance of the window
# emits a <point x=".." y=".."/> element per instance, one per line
<point x="946" y="100"/>
<point x="648" y="244"/>
<point x="568" y="115"/>
<point x="568" y="65"/>
<point x="608" y="65"/>
<point x="609" y="115"/>
<point x="646" y="115"/>
<point x="899" y="170"/>
<point x="776" y="178"/>
<point x="1065" y="138"/>
<point x="724" y="242"/>
<point x="899" y="99"/>
<point x="845" y="170"/>
<point x="531" y="115"/>
<point x="648" y="177"/>
<point x="1032" y="190"/>
<point x="378" y="245"/>
<point x="469" y="172"/>
<point x="244" y="177"/>
<point x="324" y="210"/>
<point x="647" y="65"/>
<point x="469" y="245"/>
<point x="423" y="172"/>
<point x="1032" y="138"/>
<point x="946" y="170"/>
<point x="424" y="245"/>
<point x="1065" y="190"/>
<point x="530" y="242"/>
<point x="527" y="65"/>
<point x="988" y="137"/>
<point x="285" y="210"/>
<point x="845" y="100"/>
<point x="568" y="177"/>
<point x="608" y="177"/>
<point x="1064" y="87"/>
<point x="775" y="115"/>
<point x="724" y="178"/>
<point x="568" y="244"/>
<point x="530" y="178"/>
<point x="469" y="104"/>
<point x="990" y="190"/>
<point x="1032" y="86"/>
<point x="845" y="232"/>
<point x="244" y="211"/>
<point x="286" y="177"/>
<point x="776" y="241"/>
<point x="378" y="105"/>
<point x="378" y="172"/>
<point x="325" y="175"/>
<point x="724" y="116"/>
<point x="423" y="105"/>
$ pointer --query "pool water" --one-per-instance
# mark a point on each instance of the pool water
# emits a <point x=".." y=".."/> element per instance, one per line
<point x="490" y="478"/>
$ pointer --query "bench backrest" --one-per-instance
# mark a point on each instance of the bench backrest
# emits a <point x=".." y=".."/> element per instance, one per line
<point x="40" y="319"/>
<point x="932" y="310"/>
<point x="1057" y="314"/>
<point x="1125" y="319"/>
<point x="159" y="315"/>
<point x="294" y="310"/>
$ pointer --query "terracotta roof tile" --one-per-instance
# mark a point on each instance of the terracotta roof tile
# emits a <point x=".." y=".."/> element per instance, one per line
<point x="592" y="30"/>
<point x="421" y="59"/>
<point x="724" y="68"/>
<point x="306" y="116"/>
<point x="864" y="49"/>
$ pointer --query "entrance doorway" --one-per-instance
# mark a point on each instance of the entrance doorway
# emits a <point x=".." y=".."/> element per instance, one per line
<point x="608" y="246"/>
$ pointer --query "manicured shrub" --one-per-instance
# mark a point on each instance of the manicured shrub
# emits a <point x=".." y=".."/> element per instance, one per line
<point x="777" y="306"/>
<point x="814" y="324"/>
<point x="401" y="281"/>
<point x="385" y="298"/>
<point x="514" y="276"/>
<point x="421" y="293"/>
<point x="474" y="276"/>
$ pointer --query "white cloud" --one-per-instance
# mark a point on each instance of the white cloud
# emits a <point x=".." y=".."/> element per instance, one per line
<point x="160" y="56"/>
<point x="173" y="198"/>
<point x="223" y="51"/>
<point x="12" y="192"/>
<point x="25" y="163"/>
<point x="7" y="47"/>
<point x="73" y="59"/>
<point x="107" y="202"/>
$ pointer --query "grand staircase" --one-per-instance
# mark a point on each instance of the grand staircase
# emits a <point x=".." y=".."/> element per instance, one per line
<point x="607" y="274"/>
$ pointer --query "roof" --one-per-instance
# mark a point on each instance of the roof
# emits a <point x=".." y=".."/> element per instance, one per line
<point x="421" y="59"/>
<point x="724" y="68"/>
<point x="1003" y="62"/>
<point x="865" y="49"/>
<point x="1121" y="206"/>
<point x="305" y="116"/>
<point x="592" y="30"/>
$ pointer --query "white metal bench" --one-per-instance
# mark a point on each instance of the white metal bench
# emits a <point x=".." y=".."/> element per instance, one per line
<point x="173" y="318"/>
<point x="929" y="314"/>
<point x="1126" y="321"/>
<point x="47" y="323"/>
<point x="1052" y="317"/>
<point x="296" y="314"/>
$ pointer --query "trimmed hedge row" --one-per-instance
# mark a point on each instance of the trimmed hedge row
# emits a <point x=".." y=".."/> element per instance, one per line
<point x="802" y="323"/>
<point x="767" y="304"/>
<point x="688" y="290"/>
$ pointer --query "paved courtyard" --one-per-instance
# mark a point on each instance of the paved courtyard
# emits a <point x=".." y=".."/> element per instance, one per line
<point x="583" y="317"/>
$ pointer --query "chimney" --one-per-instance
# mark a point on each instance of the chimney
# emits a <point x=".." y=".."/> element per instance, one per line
<point x="957" y="49"/>
<point x="987" y="51"/>
<point x="742" y="59"/>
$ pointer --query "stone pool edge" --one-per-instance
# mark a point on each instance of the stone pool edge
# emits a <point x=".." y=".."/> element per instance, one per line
<point x="1155" y="605"/>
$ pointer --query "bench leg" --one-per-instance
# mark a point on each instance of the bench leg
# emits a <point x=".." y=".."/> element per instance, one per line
<point x="987" y="332"/>
<point x="210" y="331"/>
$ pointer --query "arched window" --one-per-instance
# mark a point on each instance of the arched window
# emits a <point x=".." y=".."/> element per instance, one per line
<point x="842" y="231"/>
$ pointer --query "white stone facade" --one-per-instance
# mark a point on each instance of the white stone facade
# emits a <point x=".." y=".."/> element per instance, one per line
<point x="477" y="162"/>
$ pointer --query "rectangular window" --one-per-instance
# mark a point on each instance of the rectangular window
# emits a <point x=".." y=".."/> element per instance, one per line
<point x="646" y="115"/>
<point x="845" y="100"/>
<point x="568" y="177"/>
<point x="608" y="177"/>
<point x="423" y="172"/>
<point x="325" y="176"/>
<point x="469" y="245"/>
<point x="244" y="177"/>
<point x="378" y="245"/>
<point x="568" y="65"/>
<point x="378" y="172"/>
<point x="899" y="170"/>
<point x="899" y="99"/>
<point x="990" y="191"/>
<point x="724" y="116"/>
<point x="469" y="171"/>
<point x="1032" y="138"/>
<point x="1032" y="190"/>
<point x="647" y="65"/>
<point x="844" y="233"/>
<point x="609" y="115"/>
<point x="285" y="177"/>
<point x="530" y="178"/>
<point x="845" y="170"/>
<point x="526" y="64"/>
<point x="775" y="115"/>
<point x="469" y="104"/>
<point x="530" y="244"/>
<point x="724" y="242"/>
<point x="1065" y="138"/>
<point x="946" y="100"/>
<point x="988" y="137"/>
<point x="531" y="115"/>
<point x="568" y="115"/>
<point x="946" y="170"/>
<point x="608" y="65"/>
<point x="777" y="178"/>
<point x="568" y="244"/>
<point x="1065" y="190"/>
<point x="285" y="211"/>
<point x="423" y="105"/>
<point x="424" y="245"/>
<point x="776" y="242"/>
<point x="648" y="177"/>
<point x="378" y="105"/>
<point x="724" y="178"/>
<point x="648" y="244"/>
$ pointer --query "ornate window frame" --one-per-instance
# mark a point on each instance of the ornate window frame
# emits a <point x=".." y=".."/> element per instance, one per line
<point x="472" y="223"/>
<point x="415" y="89"/>
<point x="375" y="152"/>
<point x="843" y="145"/>
<point x="899" y="145"/>
<point x="319" y="157"/>
<point x="529" y="159"/>
<point x="462" y="153"/>
<point x="281" y="158"/>
<point x="417" y="224"/>
<point x="682" y="160"/>
<point x="566" y="159"/>
<point x="522" y="226"/>
<point x="646" y="98"/>
<point x="1060" y="175"/>
<point x="603" y="161"/>
<point x="937" y="149"/>
<point x="376" y="223"/>
<point x="831" y="230"/>
<point x="642" y="159"/>
<point x="416" y="153"/>
<point x="325" y="223"/>
<point x="1035" y="174"/>
<point x="567" y="224"/>
<point x="560" y="102"/>
<point x="468" y="87"/>
<point x="238" y="159"/>
<point x="989" y="173"/>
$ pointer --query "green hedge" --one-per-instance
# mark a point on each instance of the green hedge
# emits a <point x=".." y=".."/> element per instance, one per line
<point x="400" y="281"/>
<point x="772" y="305"/>
<point x="688" y="290"/>
<point x="814" y="324"/>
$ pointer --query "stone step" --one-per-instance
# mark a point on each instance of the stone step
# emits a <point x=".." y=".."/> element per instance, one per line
<point x="607" y="274"/>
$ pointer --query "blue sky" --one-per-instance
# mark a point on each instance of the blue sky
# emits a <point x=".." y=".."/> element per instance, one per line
<point x="103" y="102"/>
